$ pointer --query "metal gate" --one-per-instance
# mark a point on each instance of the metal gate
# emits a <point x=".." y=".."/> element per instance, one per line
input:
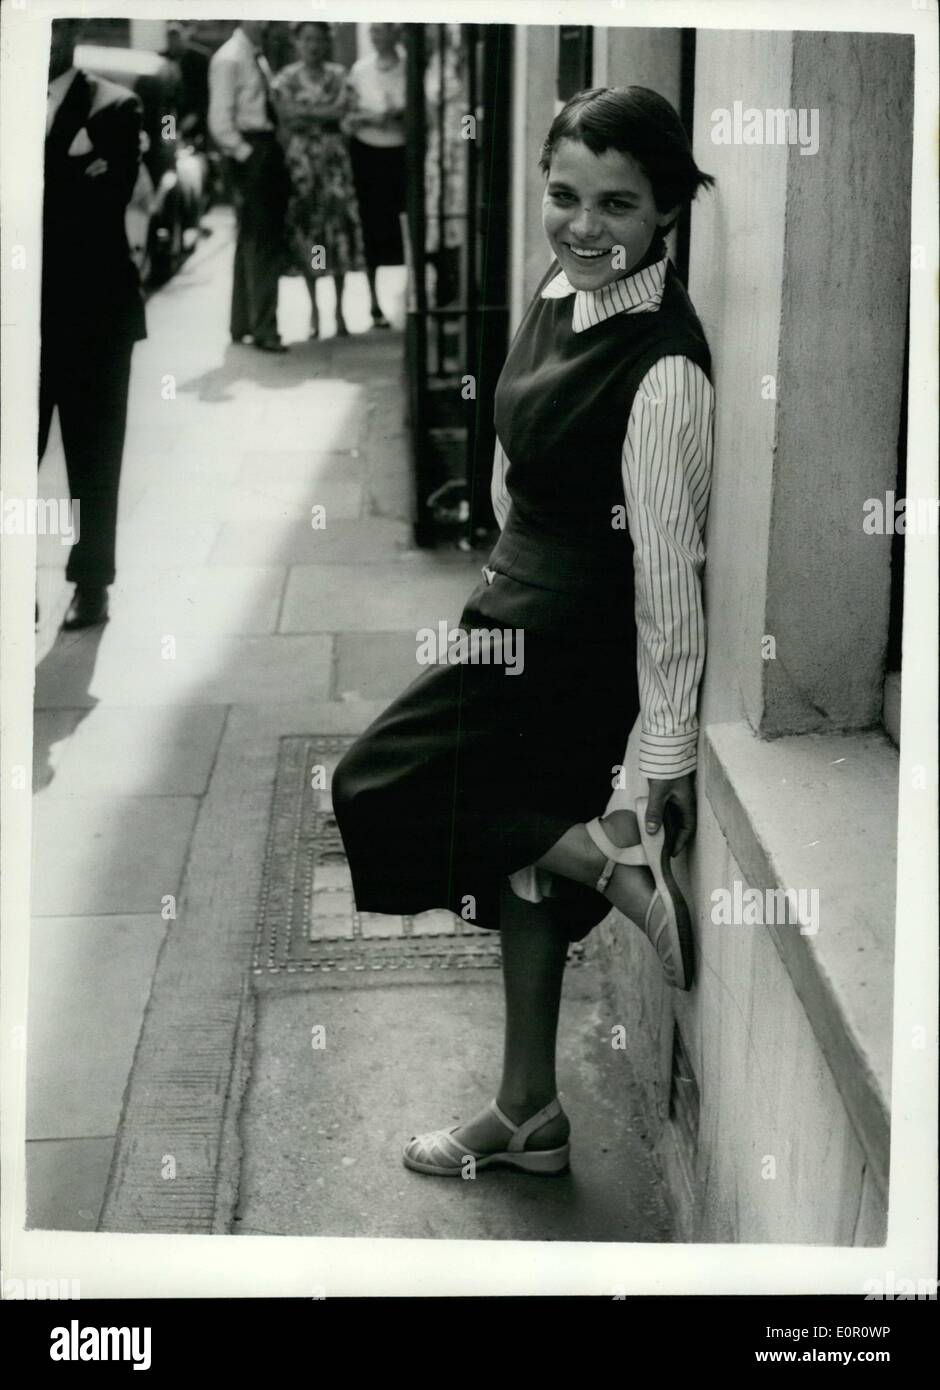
<point x="457" y="250"/>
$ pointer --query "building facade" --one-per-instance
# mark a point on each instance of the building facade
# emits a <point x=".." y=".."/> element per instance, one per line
<point x="768" y="1087"/>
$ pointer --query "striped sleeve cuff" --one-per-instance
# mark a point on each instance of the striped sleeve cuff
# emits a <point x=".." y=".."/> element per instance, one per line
<point x="668" y="755"/>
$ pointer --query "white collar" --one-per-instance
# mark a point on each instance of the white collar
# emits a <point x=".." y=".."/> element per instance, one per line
<point x="640" y="293"/>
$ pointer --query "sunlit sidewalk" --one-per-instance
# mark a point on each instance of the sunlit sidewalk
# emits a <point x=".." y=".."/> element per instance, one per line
<point x="267" y="588"/>
<point x="228" y="604"/>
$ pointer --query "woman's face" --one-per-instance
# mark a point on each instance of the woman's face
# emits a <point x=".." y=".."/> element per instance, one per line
<point x="598" y="214"/>
<point x="313" y="44"/>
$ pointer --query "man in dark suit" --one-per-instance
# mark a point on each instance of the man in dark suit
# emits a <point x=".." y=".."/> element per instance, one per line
<point x="92" y="307"/>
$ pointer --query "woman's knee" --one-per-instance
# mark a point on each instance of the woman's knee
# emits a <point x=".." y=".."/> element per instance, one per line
<point x="346" y="781"/>
<point x="355" y="784"/>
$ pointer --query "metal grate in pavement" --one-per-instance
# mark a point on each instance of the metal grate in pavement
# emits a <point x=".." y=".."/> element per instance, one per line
<point x="307" y="918"/>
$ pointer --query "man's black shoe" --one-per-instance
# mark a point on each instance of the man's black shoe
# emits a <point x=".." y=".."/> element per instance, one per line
<point x="88" y="608"/>
<point x="270" y="345"/>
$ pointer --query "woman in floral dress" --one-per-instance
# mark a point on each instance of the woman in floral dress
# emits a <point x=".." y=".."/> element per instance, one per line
<point x="323" y="216"/>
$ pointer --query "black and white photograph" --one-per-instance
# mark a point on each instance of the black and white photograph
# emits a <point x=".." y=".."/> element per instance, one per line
<point x="469" y="765"/>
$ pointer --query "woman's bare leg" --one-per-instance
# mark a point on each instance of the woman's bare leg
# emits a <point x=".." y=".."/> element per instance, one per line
<point x="339" y="281"/>
<point x="314" y="311"/>
<point x="576" y="856"/>
<point x="375" y="307"/>
<point x="534" y="948"/>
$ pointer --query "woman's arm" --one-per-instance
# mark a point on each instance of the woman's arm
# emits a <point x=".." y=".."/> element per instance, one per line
<point x="301" y="116"/>
<point x="667" y="467"/>
<point x="290" y="113"/>
<point x="336" y="98"/>
<point x="499" y="493"/>
<point x="355" y="116"/>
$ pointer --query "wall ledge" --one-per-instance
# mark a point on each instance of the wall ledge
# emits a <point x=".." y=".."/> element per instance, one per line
<point x="820" y="811"/>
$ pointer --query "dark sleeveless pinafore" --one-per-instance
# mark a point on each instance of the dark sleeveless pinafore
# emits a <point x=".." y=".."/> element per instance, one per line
<point x="472" y="773"/>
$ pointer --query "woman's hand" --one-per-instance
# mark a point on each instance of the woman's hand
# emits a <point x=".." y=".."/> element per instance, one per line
<point x="680" y="791"/>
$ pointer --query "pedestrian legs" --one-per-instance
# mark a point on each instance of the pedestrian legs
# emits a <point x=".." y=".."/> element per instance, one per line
<point x="261" y="192"/>
<point x="89" y="384"/>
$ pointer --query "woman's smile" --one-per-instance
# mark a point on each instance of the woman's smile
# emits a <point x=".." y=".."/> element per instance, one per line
<point x="587" y="267"/>
<point x="585" y="253"/>
<point x="599" y="214"/>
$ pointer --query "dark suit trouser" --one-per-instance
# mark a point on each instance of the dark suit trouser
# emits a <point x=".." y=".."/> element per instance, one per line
<point x="89" y="383"/>
<point x="260" y="186"/>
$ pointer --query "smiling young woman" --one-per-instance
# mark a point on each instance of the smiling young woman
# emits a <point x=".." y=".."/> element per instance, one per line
<point x="599" y="213"/>
<point x="456" y="794"/>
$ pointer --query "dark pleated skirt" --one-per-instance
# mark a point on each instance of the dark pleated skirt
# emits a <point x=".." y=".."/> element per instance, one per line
<point x="379" y="175"/>
<point x="473" y="773"/>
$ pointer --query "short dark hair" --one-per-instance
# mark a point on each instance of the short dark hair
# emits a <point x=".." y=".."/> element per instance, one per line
<point x="638" y="122"/>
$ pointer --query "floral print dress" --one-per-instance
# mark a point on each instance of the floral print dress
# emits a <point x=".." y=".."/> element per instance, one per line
<point x="322" y="216"/>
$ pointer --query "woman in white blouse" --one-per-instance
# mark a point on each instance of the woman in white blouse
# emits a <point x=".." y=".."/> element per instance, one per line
<point x="481" y="787"/>
<point x="375" y="123"/>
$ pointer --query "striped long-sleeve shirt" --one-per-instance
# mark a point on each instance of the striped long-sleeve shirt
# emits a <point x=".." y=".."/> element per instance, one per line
<point x="666" y="468"/>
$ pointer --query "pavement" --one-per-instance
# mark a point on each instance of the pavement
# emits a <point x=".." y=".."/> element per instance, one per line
<point x="167" y="1091"/>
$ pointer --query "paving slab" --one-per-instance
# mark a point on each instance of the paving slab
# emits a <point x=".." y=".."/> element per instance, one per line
<point x="107" y="854"/>
<point x="131" y="751"/>
<point x="210" y="669"/>
<point x="322" y="1127"/>
<point x="311" y="461"/>
<point x="185" y="465"/>
<point x="89" y="981"/>
<point x="51" y="731"/>
<point x="268" y="530"/>
<point x="197" y="599"/>
<point x="177" y="493"/>
<point x="188" y="542"/>
<point x="344" y="541"/>
<point x="374" y="665"/>
<point x="281" y="404"/>
<point x="386" y="596"/>
<point x="247" y="755"/>
<point x="65" y="1182"/>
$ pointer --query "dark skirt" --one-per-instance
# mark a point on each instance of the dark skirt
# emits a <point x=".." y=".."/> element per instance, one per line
<point x="379" y="175"/>
<point x="474" y="773"/>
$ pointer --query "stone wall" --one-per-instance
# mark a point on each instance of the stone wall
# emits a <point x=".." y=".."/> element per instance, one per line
<point x="798" y="270"/>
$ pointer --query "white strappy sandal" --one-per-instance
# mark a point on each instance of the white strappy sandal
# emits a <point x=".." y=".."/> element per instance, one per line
<point x="668" y="923"/>
<point x="439" y="1152"/>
